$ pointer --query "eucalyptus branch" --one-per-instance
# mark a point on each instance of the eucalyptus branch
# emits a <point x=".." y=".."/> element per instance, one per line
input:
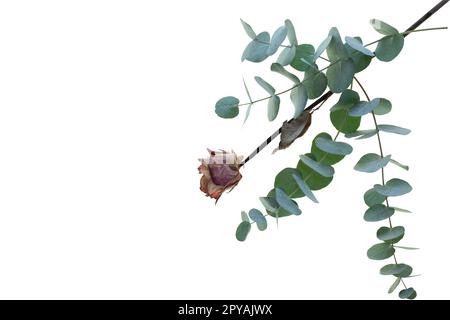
<point x="380" y="147"/>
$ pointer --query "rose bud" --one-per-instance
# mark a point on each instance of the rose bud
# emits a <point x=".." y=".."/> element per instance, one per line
<point x="220" y="172"/>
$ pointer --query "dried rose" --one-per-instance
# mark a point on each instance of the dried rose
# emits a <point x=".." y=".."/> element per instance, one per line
<point x="220" y="172"/>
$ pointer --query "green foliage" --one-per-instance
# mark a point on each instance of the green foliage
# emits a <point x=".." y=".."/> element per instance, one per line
<point x="314" y="170"/>
<point x="321" y="153"/>
<point x="258" y="218"/>
<point x="409" y="293"/>
<point x="380" y="251"/>
<point x="227" y="107"/>
<point x="286" y="202"/>
<point x="256" y="50"/>
<point x="243" y="230"/>
<point x="393" y="188"/>
<point x="371" y="162"/>
<point x="391" y="235"/>
<point x="378" y="212"/>
<point x="304" y="57"/>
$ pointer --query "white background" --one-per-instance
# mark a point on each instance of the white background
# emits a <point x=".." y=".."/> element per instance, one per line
<point x="105" y="107"/>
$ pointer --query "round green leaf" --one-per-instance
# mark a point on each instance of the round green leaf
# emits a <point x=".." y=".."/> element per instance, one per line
<point x="378" y="212"/>
<point x="363" y="107"/>
<point x="333" y="147"/>
<point x="314" y="180"/>
<point x="409" y="293"/>
<point x="371" y="198"/>
<point x="400" y="270"/>
<point x="322" y="169"/>
<point x="286" y="202"/>
<point x="242" y="230"/>
<point x="343" y="122"/>
<point x="371" y="162"/>
<point x="284" y="180"/>
<point x="315" y="83"/>
<point x="360" y="60"/>
<point x="304" y="187"/>
<point x="380" y="251"/>
<point x="391" y="235"/>
<point x="383" y="107"/>
<point x="393" y="188"/>
<point x="256" y="50"/>
<point x="389" y="47"/>
<point x="340" y="75"/>
<point x="358" y="46"/>
<point x="347" y="100"/>
<point x="227" y="107"/>
<point x="303" y="52"/>
<point x="280" y="212"/>
<point x="258" y="218"/>
<point x="323" y="156"/>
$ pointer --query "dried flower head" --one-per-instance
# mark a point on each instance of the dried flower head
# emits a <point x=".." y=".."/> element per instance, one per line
<point x="220" y="172"/>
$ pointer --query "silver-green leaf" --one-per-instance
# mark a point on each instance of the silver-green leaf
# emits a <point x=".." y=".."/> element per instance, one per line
<point x="322" y="169"/>
<point x="371" y="162"/>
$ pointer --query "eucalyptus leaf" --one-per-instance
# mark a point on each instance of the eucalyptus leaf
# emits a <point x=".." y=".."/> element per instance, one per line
<point x="409" y="293"/>
<point x="322" y="47"/>
<point x="304" y="57"/>
<point x="383" y="107"/>
<point x="243" y="230"/>
<point x="407" y="248"/>
<point x="276" y="67"/>
<point x="391" y="235"/>
<point x="247" y="113"/>
<point x="286" y="202"/>
<point x="347" y="99"/>
<point x="256" y="50"/>
<point x="315" y="180"/>
<point x="244" y="216"/>
<point x="304" y="187"/>
<point x="248" y="29"/>
<point x="401" y="210"/>
<point x="323" y="156"/>
<point x="285" y="180"/>
<point x="378" y="212"/>
<point x="405" y="167"/>
<point x="394" y="285"/>
<point x="371" y="198"/>
<point x="265" y="85"/>
<point x="389" y="47"/>
<point x="299" y="98"/>
<point x="279" y="212"/>
<point x="227" y="107"/>
<point x="380" y="251"/>
<point x="272" y="107"/>
<point x="286" y="56"/>
<point x="399" y="270"/>
<point x="315" y="82"/>
<point x="333" y="147"/>
<point x="371" y="162"/>
<point x="292" y="37"/>
<point x="362" y="108"/>
<point x="336" y="49"/>
<point x="393" y="188"/>
<point x="269" y="203"/>
<point x="393" y="129"/>
<point x="362" y="133"/>
<point x="258" y="218"/>
<point x="383" y="27"/>
<point x="277" y="39"/>
<point x="322" y="169"/>
<point x="343" y="122"/>
<point x="340" y="75"/>
<point x="360" y="60"/>
<point x="357" y="45"/>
